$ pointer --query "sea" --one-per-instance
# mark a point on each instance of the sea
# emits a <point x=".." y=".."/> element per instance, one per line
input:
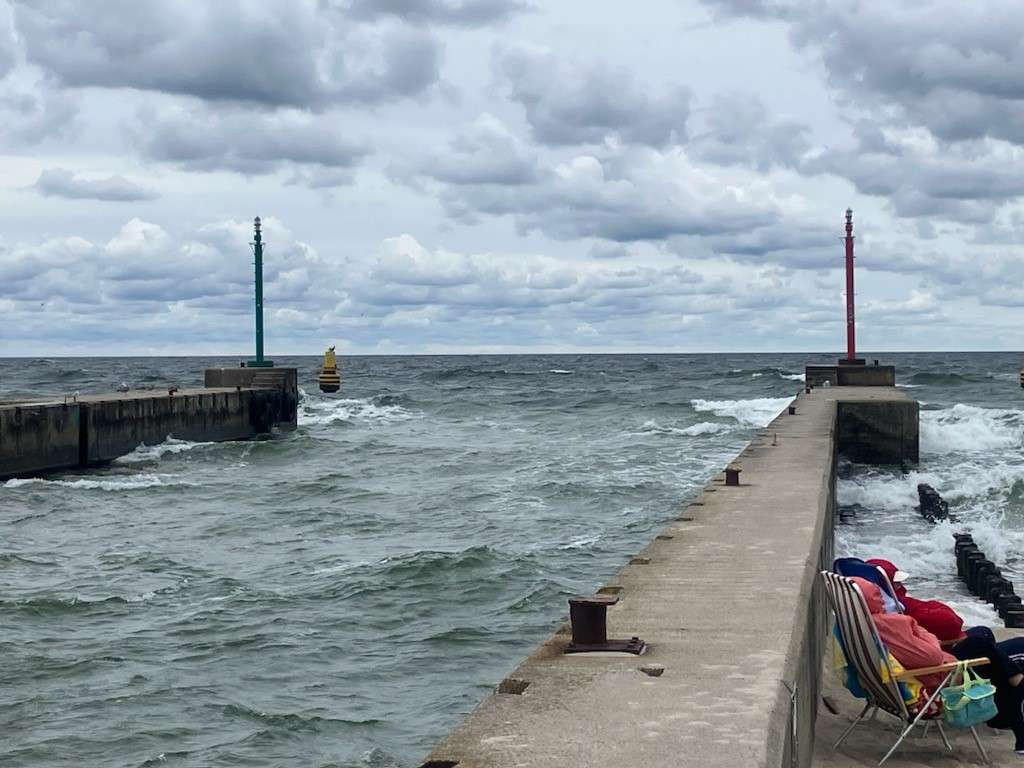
<point x="344" y="594"/>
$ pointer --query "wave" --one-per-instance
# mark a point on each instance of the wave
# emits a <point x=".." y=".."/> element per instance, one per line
<point x="118" y="483"/>
<point x="559" y="370"/>
<point x="56" y="606"/>
<point x="756" y="413"/>
<point x="149" y="453"/>
<point x="468" y="372"/>
<point x="696" y="430"/>
<point x="757" y="373"/>
<point x="928" y="377"/>
<point x="382" y="408"/>
<point x="970" y="429"/>
<point x="290" y="721"/>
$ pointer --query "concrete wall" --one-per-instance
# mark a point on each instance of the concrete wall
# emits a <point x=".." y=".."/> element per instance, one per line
<point x="879" y="432"/>
<point x="282" y="412"/>
<point x="118" y="426"/>
<point x="851" y="375"/>
<point x="42" y="437"/>
<point x="35" y="438"/>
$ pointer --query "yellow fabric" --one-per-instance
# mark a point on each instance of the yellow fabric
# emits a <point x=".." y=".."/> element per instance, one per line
<point x="909" y="689"/>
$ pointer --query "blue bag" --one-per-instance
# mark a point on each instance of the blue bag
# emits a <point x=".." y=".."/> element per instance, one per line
<point x="971" y="703"/>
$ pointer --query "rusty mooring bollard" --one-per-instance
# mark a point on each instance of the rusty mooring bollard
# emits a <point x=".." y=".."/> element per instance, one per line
<point x="589" y="618"/>
<point x="732" y="475"/>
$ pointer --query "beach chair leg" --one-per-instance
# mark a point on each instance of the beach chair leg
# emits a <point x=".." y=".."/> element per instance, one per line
<point x="981" y="747"/>
<point x="916" y="720"/>
<point x="942" y="733"/>
<point x="927" y="727"/>
<point x="853" y="725"/>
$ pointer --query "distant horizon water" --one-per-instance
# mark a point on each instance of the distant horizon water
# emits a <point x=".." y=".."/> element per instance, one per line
<point x="344" y="594"/>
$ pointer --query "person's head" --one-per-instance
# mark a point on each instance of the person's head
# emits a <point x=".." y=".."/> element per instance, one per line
<point x="872" y="594"/>
<point x="895" y="574"/>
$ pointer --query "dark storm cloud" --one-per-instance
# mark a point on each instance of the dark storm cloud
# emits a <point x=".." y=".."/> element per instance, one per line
<point x="59" y="182"/>
<point x="272" y="53"/>
<point x="570" y="102"/>
<point x="459" y="12"/>
<point x="252" y="143"/>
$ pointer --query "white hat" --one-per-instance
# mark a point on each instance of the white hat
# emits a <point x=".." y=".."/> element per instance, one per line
<point x="900" y="576"/>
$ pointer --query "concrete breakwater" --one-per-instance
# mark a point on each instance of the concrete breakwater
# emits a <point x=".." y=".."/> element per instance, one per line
<point x="48" y="435"/>
<point x="727" y="601"/>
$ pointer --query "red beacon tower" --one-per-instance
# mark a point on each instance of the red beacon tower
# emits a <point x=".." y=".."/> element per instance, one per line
<point x="851" y="324"/>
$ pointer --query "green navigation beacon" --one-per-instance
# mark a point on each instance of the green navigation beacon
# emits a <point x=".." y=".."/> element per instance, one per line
<point x="257" y="245"/>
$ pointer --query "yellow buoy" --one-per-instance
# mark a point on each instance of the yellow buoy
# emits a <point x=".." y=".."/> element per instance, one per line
<point x="329" y="378"/>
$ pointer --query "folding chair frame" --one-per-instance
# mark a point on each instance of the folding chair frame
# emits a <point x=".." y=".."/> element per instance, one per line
<point x="883" y="693"/>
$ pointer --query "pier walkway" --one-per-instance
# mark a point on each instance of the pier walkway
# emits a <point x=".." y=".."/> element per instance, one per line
<point x="728" y="602"/>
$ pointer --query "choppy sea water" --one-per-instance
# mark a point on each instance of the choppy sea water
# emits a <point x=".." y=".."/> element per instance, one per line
<point x="344" y="594"/>
<point x="972" y="452"/>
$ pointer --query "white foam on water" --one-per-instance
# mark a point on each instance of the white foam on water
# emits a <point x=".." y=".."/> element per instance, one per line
<point x="795" y="376"/>
<point x="756" y="413"/>
<point x="559" y="370"/>
<point x="324" y="411"/>
<point x="581" y="543"/>
<point x="970" y="429"/>
<point x="124" y="483"/>
<point x="756" y="375"/>
<point x="696" y="430"/>
<point x="147" y="453"/>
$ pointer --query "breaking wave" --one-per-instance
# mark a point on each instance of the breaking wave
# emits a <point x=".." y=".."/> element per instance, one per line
<point x="119" y="483"/>
<point x="970" y="429"/>
<point x="383" y="408"/>
<point x="149" y="453"/>
<point x="696" y="430"/>
<point x="755" y="413"/>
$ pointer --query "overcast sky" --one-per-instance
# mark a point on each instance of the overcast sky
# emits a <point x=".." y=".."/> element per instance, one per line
<point x="509" y="175"/>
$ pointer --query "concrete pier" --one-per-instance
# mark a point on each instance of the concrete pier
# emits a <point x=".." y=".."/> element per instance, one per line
<point x="728" y="602"/>
<point x="48" y="435"/>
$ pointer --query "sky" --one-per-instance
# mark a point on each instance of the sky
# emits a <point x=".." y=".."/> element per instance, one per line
<point x="461" y="176"/>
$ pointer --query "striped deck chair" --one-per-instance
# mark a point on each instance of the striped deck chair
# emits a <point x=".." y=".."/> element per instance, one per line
<point x="865" y="653"/>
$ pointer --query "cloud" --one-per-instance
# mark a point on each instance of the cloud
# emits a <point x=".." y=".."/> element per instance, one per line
<point x="252" y="143"/>
<point x="921" y="177"/>
<point x="570" y="102"/>
<point x="458" y="12"/>
<point x="738" y="129"/>
<point x="486" y="153"/>
<point x="946" y="79"/>
<point x="144" y="269"/>
<point x="33" y="110"/>
<point x="298" y="54"/>
<point x="8" y="45"/>
<point x="624" y="196"/>
<point x="58" y="182"/>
